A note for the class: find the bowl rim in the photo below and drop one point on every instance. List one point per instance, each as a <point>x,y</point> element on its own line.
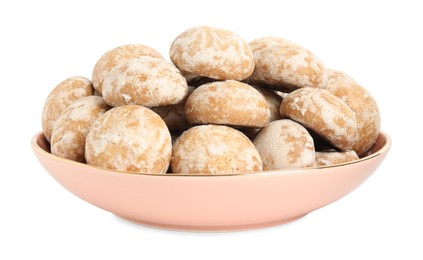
<point>286,171</point>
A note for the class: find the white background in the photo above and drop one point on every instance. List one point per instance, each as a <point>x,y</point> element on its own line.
<point>378,43</point>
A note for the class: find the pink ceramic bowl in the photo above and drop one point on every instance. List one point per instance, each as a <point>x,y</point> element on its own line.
<point>211,202</point>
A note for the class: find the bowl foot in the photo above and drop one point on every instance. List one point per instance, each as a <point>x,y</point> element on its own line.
<point>212,228</point>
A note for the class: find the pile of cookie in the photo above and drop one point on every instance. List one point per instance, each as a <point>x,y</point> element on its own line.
<point>222,106</point>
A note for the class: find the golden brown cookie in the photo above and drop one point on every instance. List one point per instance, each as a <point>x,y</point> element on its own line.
<point>212,52</point>
<point>285,144</point>
<point>334,157</point>
<point>64,94</point>
<point>144,81</point>
<point>227,103</point>
<point>174,115</point>
<point>279,62</point>
<point>214,149</point>
<point>116,56</point>
<point>324,113</point>
<point>72,126</point>
<point>362,103</point>
<point>129,138</point>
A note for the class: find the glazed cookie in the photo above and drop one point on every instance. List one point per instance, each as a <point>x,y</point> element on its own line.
<point>362,103</point>
<point>212,52</point>
<point>324,113</point>
<point>129,138</point>
<point>144,81</point>
<point>227,103</point>
<point>213,149</point>
<point>279,62</point>
<point>71,128</point>
<point>64,94</point>
<point>116,56</point>
<point>285,144</point>
<point>334,157</point>
<point>174,115</point>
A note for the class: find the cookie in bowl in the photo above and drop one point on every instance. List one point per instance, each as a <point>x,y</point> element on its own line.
<point>118,55</point>
<point>129,138</point>
<point>214,149</point>
<point>212,52</point>
<point>63,95</point>
<point>71,128</point>
<point>227,102</point>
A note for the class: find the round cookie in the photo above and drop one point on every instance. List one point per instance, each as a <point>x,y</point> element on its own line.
<point>324,113</point>
<point>174,115</point>
<point>116,56</point>
<point>214,149</point>
<point>144,81</point>
<point>227,103</point>
<point>285,144</point>
<point>279,62</point>
<point>71,128</point>
<point>64,94</point>
<point>334,157</point>
<point>129,138</point>
<point>362,103</point>
<point>212,52</point>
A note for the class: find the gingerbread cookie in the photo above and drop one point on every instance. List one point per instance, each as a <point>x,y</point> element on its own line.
<point>71,128</point>
<point>227,103</point>
<point>129,138</point>
<point>279,62</point>
<point>212,52</point>
<point>214,149</point>
<point>144,81</point>
<point>63,95</point>
<point>120,54</point>
<point>285,144</point>
<point>324,113</point>
<point>362,103</point>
